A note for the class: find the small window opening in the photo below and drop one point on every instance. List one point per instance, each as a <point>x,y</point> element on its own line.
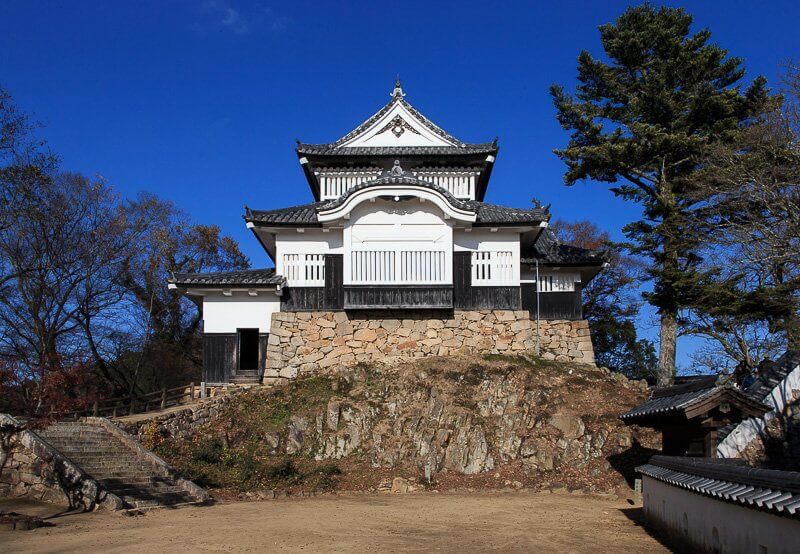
<point>248,348</point>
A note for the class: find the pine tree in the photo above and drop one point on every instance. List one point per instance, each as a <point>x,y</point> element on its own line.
<point>639,122</point>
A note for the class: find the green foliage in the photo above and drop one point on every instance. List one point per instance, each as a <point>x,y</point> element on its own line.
<point>641,122</point>
<point>618,348</point>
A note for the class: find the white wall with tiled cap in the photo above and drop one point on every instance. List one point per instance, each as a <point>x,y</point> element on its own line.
<point>240,310</point>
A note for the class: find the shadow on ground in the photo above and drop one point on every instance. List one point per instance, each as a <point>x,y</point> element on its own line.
<point>627,461</point>
<point>636,515</point>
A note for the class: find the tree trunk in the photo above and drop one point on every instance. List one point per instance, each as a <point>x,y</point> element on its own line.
<point>667,346</point>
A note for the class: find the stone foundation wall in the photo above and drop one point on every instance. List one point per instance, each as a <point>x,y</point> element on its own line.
<point>303,342</point>
<point>178,424</point>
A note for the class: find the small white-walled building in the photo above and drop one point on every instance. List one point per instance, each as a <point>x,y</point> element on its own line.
<point>398,221</point>
<point>705,505</point>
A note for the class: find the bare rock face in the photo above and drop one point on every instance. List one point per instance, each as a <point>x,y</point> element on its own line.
<point>468,451</point>
<point>462,415</point>
<point>570,425</point>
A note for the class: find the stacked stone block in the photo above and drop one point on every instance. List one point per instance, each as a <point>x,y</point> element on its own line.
<point>306,342</point>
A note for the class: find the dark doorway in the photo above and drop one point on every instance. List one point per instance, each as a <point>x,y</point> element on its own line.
<point>248,348</point>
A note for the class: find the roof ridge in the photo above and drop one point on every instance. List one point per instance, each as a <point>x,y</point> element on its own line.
<point>398,99</point>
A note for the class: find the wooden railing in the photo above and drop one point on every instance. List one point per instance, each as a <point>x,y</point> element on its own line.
<point>398,267</point>
<point>304,270</point>
<point>125,405</point>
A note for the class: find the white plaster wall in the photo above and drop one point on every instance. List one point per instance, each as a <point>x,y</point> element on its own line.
<point>407,225</point>
<point>747,431</point>
<point>311,241</point>
<point>739,529</point>
<point>487,241</point>
<point>225,314</point>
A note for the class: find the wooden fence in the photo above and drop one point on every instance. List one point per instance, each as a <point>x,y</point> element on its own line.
<point>126,405</point>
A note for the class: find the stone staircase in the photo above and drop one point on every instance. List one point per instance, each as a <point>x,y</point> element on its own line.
<point>247,377</point>
<point>121,466</point>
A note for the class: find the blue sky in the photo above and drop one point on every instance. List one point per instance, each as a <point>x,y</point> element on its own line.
<point>200,101</point>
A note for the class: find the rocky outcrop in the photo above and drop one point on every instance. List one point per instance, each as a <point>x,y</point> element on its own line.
<point>307,342</point>
<point>451,415</point>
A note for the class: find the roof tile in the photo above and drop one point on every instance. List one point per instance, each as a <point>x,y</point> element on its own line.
<point>229,278</point>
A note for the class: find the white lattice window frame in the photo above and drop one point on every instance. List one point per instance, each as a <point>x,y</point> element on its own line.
<point>398,267</point>
<point>304,270</point>
<point>493,268</point>
<point>558,282</point>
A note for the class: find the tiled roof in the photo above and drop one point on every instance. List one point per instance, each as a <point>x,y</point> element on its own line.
<point>679,400</point>
<point>675,399</point>
<point>549,250</point>
<point>331,150</point>
<point>487,214</point>
<point>246,277</point>
<point>456,147</point>
<point>761,489</point>
<point>492,214</point>
<point>293,216</point>
<point>770,376</point>
<point>772,373</point>
<point>398,97</point>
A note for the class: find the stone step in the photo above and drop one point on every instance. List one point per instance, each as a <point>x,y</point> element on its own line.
<point>80,446</point>
<point>126,489</point>
<point>138,503</point>
<point>89,451</point>
<point>116,470</point>
<point>142,481</point>
<point>117,467</point>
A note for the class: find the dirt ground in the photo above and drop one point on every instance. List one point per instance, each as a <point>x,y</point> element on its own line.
<point>445,522</point>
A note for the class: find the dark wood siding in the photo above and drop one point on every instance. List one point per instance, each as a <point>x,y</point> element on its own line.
<point>493,298</point>
<point>553,305</point>
<point>334,281</point>
<point>366,297</point>
<point>329,297</point>
<point>467,297</point>
<point>462,279</point>
<point>219,357</point>
<point>262,351</point>
<point>298,299</point>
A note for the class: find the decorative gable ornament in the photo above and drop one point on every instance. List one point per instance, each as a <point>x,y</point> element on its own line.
<point>407,126</point>
<point>398,126</point>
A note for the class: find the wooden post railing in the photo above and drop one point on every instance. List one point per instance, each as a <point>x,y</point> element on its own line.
<point>130,405</point>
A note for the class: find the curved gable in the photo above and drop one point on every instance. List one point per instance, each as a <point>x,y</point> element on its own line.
<point>396,192</point>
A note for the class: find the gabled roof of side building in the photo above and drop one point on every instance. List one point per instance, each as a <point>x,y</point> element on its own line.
<point>684,401</point>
